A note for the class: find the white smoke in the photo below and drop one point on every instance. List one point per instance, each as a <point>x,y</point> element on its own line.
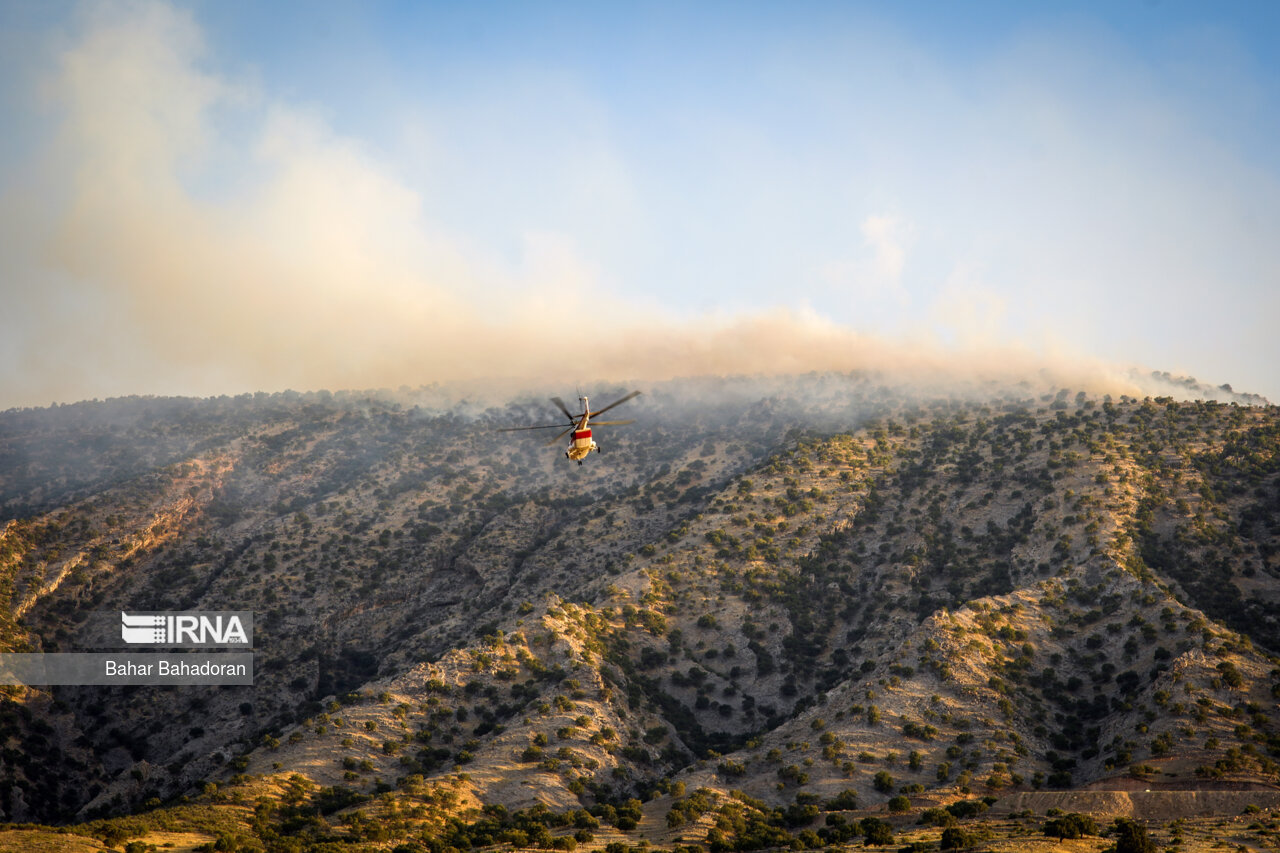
<point>183,233</point>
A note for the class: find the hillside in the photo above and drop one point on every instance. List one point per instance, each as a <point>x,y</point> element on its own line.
<point>756,606</point>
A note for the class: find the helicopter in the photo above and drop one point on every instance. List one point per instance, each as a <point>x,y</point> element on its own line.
<point>582,443</point>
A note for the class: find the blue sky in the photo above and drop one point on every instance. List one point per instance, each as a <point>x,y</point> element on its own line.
<point>226,196</point>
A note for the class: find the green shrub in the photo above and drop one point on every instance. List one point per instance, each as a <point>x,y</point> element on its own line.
<point>900,804</point>
<point>967,808</point>
<point>845,800</point>
<point>1131,837</point>
<point>1073,825</point>
<point>936,817</point>
<point>954,837</point>
<point>877,831</point>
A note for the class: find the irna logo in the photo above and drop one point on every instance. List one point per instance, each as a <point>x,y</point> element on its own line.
<point>184,629</point>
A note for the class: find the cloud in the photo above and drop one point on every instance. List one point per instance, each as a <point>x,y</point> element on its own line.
<point>886,237</point>
<point>872,278</point>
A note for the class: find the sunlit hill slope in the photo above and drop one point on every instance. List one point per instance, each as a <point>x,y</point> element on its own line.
<point>758,605</point>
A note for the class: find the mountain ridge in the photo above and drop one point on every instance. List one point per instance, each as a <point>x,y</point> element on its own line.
<point>944,598</point>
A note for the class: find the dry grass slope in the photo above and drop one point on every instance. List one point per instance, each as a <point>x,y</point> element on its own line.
<point>760,638</point>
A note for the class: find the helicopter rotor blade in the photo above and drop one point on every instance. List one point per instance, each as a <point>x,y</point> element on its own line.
<point>610,423</point>
<point>615,403</point>
<point>519,429</point>
<point>560,436</point>
<point>560,404</point>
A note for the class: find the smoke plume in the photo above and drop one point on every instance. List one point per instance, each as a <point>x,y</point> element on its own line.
<point>182,233</point>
